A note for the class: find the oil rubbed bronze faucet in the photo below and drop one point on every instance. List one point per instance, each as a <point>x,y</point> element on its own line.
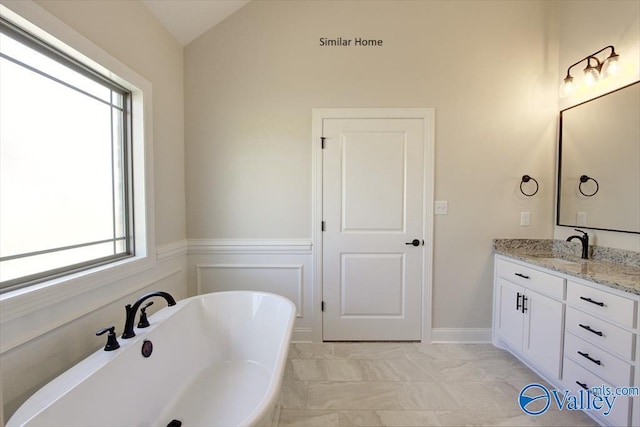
<point>584,239</point>
<point>132,310</point>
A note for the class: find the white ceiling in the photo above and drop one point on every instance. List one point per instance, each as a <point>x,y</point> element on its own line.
<point>188,19</point>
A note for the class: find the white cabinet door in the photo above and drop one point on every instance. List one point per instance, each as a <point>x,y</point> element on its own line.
<point>542,342</point>
<point>535,330</point>
<point>510,318</point>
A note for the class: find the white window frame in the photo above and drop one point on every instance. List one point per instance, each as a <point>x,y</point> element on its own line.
<point>16,303</point>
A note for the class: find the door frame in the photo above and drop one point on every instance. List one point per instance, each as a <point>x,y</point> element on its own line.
<point>318,116</point>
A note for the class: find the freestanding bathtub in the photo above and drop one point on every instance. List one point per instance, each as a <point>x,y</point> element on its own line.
<point>218,360</point>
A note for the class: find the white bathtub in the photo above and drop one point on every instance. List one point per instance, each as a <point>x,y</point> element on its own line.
<point>218,360</point>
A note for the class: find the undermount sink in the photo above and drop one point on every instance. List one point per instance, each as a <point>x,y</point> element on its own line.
<point>557,260</point>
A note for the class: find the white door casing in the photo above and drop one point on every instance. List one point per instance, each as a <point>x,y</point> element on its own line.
<point>374,190</point>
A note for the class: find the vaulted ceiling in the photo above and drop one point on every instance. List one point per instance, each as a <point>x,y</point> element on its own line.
<point>188,19</point>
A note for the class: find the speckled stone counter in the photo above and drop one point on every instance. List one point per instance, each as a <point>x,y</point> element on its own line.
<point>615,268</point>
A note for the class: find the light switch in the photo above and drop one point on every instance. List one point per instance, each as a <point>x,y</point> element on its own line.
<point>525,219</point>
<point>441,207</point>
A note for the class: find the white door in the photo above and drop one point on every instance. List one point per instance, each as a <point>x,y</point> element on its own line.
<point>373,201</point>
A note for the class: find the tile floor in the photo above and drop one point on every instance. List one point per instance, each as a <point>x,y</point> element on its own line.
<point>408,384</point>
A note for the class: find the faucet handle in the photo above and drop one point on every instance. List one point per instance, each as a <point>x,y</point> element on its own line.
<point>144,322</point>
<point>112,341</point>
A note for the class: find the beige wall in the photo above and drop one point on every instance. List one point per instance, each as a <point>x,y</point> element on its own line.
<point>54,339</point>
<point>586,28</point>
<point>488,68</point>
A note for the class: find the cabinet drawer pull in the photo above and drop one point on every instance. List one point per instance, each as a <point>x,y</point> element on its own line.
<point>521,275</point>
<point>588,328</point>
<point>583,385</point>
<point>601,304</point>
<point>586,356</point>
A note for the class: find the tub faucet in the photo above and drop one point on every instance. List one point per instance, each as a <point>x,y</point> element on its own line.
<point>584,239</point>
<point>132,310</point>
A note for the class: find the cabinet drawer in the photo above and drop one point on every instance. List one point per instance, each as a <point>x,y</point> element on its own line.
<point>613,307</point>
<point>574,374</point>
<point>601,333</point>
<point>544,283</point>
<point>598,361</point>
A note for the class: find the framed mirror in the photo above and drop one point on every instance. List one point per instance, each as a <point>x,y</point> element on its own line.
<point>599,163</point>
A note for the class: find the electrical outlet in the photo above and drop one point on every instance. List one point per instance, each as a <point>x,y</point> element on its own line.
<point>525,219</point>
<point>581,219</point>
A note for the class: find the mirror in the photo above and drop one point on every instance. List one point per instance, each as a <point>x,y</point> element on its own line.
<point>599,163</point>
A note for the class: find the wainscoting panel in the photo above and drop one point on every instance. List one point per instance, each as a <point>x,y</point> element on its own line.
<point>285,280</point>
<point>282,267</point>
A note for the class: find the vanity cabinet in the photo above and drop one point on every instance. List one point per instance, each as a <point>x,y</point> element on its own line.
<point>599,347</point>
<point>574,333</point>
<point>528,321</point>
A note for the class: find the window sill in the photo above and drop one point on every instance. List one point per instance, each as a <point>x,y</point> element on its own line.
<point>67,298</point>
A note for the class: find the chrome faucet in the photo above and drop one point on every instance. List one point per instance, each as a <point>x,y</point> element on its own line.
<point>584,239</point>
<point>132,310</point>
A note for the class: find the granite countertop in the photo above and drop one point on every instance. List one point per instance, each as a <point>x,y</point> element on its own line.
<point>615,268</point>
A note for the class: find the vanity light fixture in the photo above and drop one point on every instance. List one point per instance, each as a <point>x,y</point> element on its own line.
<point>595,69</point>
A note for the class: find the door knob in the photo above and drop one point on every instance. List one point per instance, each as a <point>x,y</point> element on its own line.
<point>414,242</point>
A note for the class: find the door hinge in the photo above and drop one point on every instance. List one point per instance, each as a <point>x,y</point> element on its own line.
<point>322,306</point>
<point>324,226</point>
<point>322,138</point>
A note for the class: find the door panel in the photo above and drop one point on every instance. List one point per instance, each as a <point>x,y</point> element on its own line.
<point>373,187</point>
<point>378,276</point>
<point>543,338</point>
<point>373,197</point>
<point>511,318</point>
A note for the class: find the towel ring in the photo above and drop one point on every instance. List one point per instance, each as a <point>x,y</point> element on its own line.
<point>527,178</point>
<point>583,179</point>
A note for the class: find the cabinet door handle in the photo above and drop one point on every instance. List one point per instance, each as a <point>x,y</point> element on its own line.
<point>518,306</point>
<point>588,328</point>
<point>524,304</point>
<point>521,275</point>
<point>583,385</point>
<point>601,304</point>
<point>586,356</point>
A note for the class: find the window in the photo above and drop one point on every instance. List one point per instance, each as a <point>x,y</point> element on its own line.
<point>66,198</point>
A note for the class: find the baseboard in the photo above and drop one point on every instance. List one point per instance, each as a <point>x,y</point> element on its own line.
<point>461,335</point>
<point>301,335</point>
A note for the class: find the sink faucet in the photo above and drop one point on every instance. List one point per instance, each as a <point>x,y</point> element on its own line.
<point>584,239</point>
<point>132,310</point>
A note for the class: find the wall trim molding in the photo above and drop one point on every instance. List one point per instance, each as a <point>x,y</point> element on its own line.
<point>302,335</point>
<point>272,246</point>
<point>460,335</point>
<point>298,268</point>
<point>172,250</point>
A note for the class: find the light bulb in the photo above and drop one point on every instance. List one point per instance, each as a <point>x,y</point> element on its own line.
<point>612,65</point>
<point>567,87</point>
<point>591,75</point>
